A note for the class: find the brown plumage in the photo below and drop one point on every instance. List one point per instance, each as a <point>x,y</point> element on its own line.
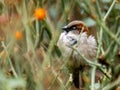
<point>75,34</point>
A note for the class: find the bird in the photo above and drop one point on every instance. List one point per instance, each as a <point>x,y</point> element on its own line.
<point>76,34</point>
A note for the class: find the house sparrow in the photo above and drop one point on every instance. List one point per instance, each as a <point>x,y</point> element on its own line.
<point>75,34</point>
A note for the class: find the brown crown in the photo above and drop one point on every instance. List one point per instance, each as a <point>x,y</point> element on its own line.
<point>76,25</point>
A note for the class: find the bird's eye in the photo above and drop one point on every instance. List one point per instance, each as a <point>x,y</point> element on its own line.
<point>74,28</point>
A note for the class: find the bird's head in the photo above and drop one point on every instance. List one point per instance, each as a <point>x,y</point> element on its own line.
<point>77,26</point>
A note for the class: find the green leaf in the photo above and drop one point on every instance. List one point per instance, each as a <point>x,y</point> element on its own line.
<point>89,22</point>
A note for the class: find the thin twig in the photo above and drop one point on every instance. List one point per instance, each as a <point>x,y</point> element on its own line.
<point>110,85</point>
<point>56,74</point>
<point>93,77</point>
<point>11,65</point>
<point>99,48</point>
<point>86,60</point>
<point>100,41</point>
<point>37,33</point>
<point>99,66</point>
<point>108,12</point>
<point>108,31</point>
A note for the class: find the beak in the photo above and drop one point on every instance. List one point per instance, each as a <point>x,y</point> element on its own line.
<point>65,28</point>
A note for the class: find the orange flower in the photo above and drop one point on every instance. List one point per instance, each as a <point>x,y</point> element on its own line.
<point>40,13</point>
<point>18,35</point>
<point>93,1</point>
<point>118,88</point>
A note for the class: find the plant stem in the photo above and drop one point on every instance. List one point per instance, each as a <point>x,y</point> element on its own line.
<point>108,31</point>
<point>112,84</point>
<point>12,67</point>
<point>37,34</point>
<point>108,12</point>
<point>98,9</point>
<point>104,19</point>
<point>95,64</point>
<point>93,77</point>
<point>56,74</point>
<point>25,21</point>
<point>99,47</point>
<point>84,58</point>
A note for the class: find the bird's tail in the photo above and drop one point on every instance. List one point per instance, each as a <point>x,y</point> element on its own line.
<point>77,78</point>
